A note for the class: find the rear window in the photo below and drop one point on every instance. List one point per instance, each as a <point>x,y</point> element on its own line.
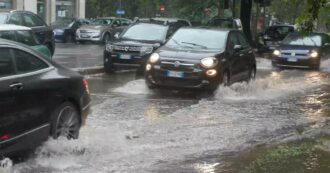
<point>3,18</point>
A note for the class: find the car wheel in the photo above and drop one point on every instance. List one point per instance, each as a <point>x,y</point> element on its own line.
<point>252,73</point>
<point>65,122</point>
<point>80,42</point>
<point>106,38</point>
<point>226,79</point>
<point>108,66</point>
<point>150,85</point>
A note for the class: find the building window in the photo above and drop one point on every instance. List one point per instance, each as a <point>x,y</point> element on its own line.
<point>41,8</point>
<point>65,9</point>
<point>6,4</point>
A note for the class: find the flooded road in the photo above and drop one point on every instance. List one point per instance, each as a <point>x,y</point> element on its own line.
<point>133,129</point>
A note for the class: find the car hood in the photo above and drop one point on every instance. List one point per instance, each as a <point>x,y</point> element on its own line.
<point>141,43</point>
<point>192,54</point>
<point>94,27</point>
<point>298,48</point>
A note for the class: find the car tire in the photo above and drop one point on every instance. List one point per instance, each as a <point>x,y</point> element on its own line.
<point>225,79</point>
<point>106,38</point>
<point>109,67</point>
<point>65,121</point>
<point>150,85</point>
<point>80,42</point>
<point>252,74</point>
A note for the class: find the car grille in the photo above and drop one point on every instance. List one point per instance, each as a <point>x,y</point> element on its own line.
<point>295,53</point>
<point>176,65</point>
<point>127,49</point>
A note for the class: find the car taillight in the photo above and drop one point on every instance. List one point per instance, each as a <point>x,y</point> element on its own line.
<point>4,137</point>
<point>85,83</point>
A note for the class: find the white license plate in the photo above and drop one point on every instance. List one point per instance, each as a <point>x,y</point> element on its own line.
<point>176,74</point>
<point>123,56</point>
<point>292,59</point>
<point>84,36</point>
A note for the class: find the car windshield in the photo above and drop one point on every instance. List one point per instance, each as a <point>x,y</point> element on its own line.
<point>223,23</point>
<point>198,39</point>
<point>102,22</point>
<point>312,40</point>
<point>26,37</point>
<point>149,32</point>
<point>279,30</point>
<point>3,18</point>
<point>63,22</point>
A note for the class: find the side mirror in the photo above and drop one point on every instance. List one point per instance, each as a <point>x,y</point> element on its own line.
<point>116,35</point>
<point>237,48</point>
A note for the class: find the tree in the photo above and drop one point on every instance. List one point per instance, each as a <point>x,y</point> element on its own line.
<point>246,8</point>
<point>307,21</point>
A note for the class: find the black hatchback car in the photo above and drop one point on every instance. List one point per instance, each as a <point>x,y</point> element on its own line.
<point>201,58</point>
<point>302,51</point>
<point>43,32</point>
<point>137,42</point>
<point>38,99</point>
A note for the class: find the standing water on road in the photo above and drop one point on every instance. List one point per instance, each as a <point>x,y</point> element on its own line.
<point>131,131</point>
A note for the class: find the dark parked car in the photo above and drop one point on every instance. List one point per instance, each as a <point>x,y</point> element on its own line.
<point>65,29</point>
<point>201,58</point>
<point>38,99</point>
<point>302,51</point>
<point>136,43</point>
<point>43,32</point>
<point>102,29</point>
<point>273,35</point>
<point>225,23</point>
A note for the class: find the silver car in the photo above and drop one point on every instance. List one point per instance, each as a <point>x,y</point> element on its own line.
<point>102,29</point>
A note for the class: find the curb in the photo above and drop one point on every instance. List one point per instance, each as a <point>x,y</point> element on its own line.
<point>89,70</point>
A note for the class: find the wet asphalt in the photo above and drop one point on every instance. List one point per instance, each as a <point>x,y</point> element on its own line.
<point>134,129</point>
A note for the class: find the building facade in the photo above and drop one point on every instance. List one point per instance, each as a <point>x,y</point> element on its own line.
<point>49,10</point>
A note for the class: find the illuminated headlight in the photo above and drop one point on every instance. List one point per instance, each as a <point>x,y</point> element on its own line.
<point>154,58</point>
<point>209,62</point>
<point>277,52</point>
<point>314,54</point>
<point>109,47</point>
<point>148,67</point>
<point>146,50</point>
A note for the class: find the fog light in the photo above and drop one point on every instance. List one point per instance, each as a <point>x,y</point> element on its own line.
<point>211,72</point>
<point>148,67</point>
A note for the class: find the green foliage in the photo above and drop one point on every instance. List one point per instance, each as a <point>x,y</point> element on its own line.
<point>287,10</point>
<point>307,21</point>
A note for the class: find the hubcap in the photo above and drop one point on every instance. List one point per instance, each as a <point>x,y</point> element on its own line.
<point>67,123</point>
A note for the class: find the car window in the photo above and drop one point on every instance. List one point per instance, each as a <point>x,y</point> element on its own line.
<point>116,23</point>
<point>26,62</point>
<point>26,37</point>
<point>32,21</point>
<point>15,19</point>
<point>242,40</point>
<point>9,35</point>
<point>232,41</point>
<point>125,22</point>
<point>6,63</point>
<point>3,18</point>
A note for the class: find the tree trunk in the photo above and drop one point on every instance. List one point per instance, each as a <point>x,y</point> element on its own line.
<point>246,7</point>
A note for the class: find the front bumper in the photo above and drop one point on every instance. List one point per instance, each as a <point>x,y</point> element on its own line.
<point>126,59</point>
<point>89,37</point>
<point>296,62</point>
<point>195,79</point>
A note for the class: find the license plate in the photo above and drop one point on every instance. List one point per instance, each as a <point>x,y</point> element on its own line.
<point>176,74</point>
<point>84,36</point>
<point>123,56</point>
<point>292,59</point>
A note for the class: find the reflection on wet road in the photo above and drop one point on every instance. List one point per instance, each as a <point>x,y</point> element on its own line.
<point>133,129</point>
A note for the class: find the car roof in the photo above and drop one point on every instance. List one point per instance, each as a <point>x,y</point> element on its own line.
<point>6,27</point>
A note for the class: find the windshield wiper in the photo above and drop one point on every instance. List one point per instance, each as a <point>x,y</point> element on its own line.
<point>176,42</point>
<point>194,44</point>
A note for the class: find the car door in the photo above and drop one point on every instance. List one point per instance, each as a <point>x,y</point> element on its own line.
<point>32,93</point>
<point>246,55</point>
<point>8,111</point>
<point>234,58</point>
<point>41,30</point>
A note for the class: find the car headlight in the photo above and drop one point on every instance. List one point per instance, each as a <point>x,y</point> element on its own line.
<point>209,62</point>
<point>277,52</point>
<point>146,50</point>
<point>59,31</point>
<point>314,54</point>
<point>109,47</point>
<point>154,58</point>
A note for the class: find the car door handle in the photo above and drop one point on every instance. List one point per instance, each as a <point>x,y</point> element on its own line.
<point>16,86</point>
